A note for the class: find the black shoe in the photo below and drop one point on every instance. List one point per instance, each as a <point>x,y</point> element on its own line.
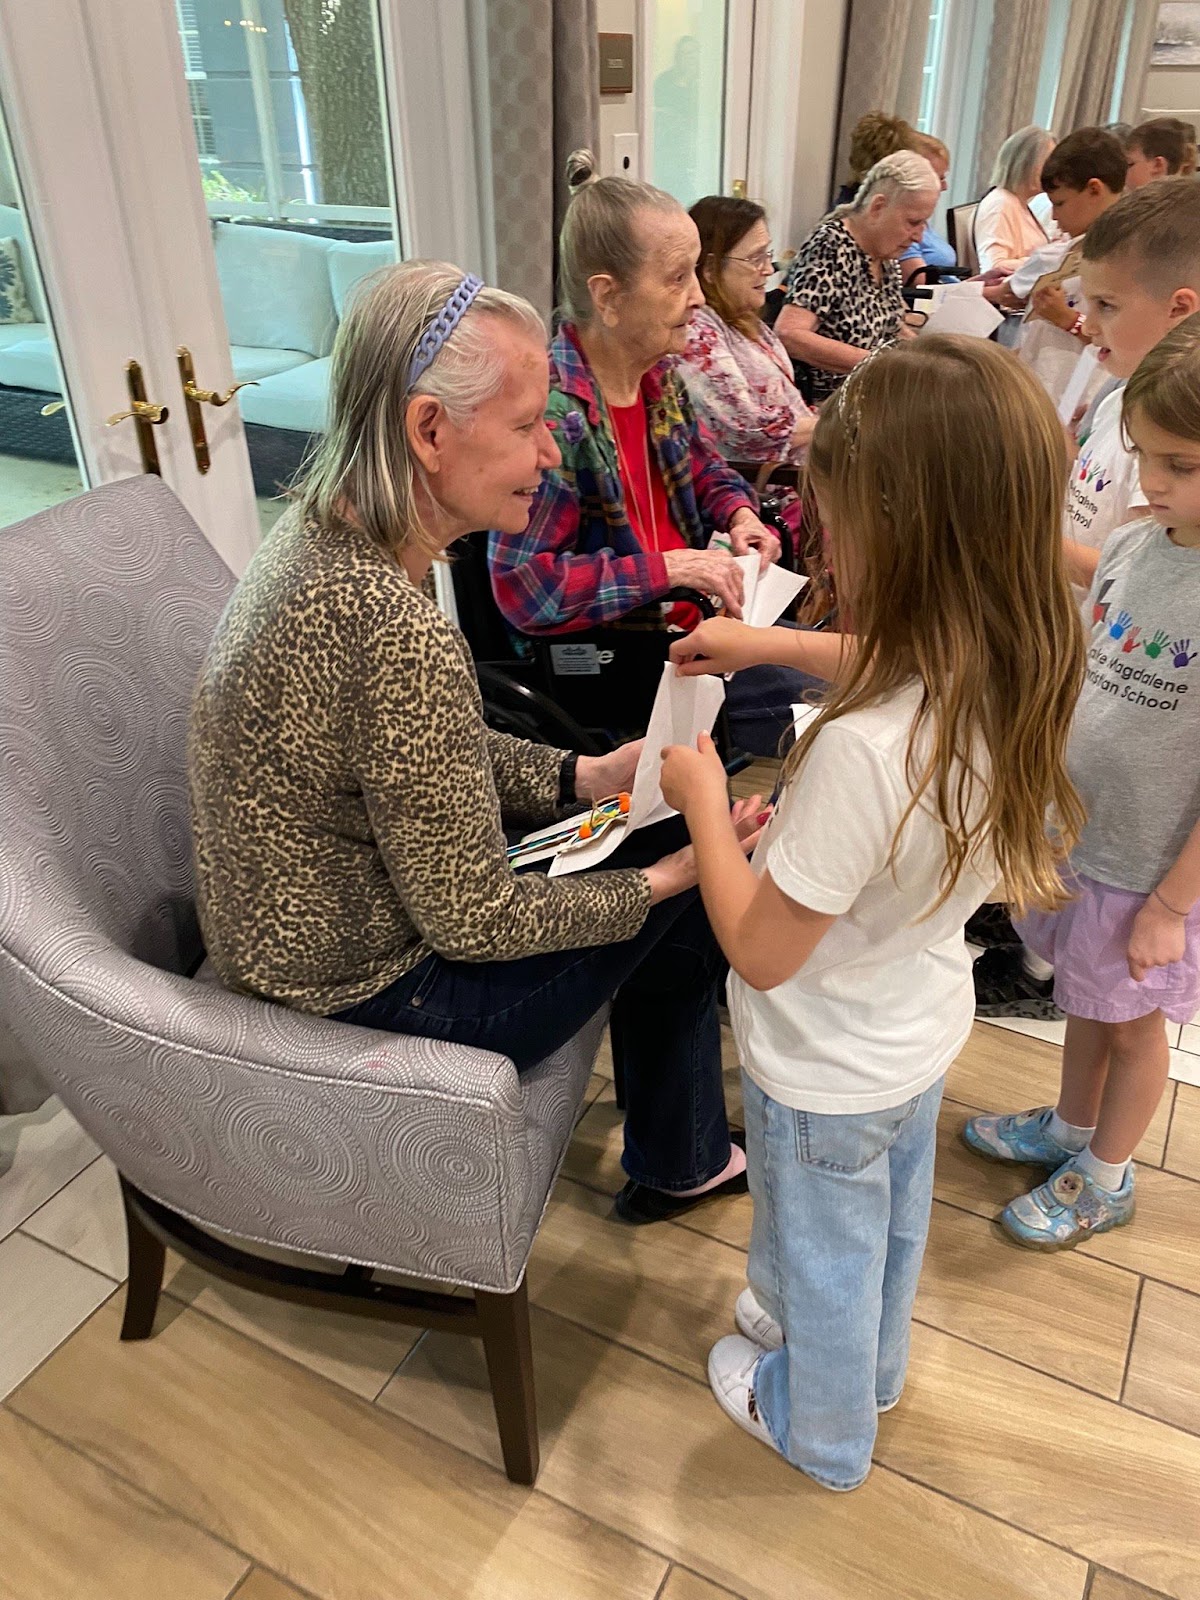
<point>1003,988</point>
<point>638,1202</point>
<point>991,927</point>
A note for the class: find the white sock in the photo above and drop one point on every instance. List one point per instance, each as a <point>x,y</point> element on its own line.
<point>1104,1174</point>
<point>1068,1134</point>
<point>1037,969</point>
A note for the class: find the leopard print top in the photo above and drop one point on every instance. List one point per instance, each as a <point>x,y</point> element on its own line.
<point>347,797</point>
<point>831,277</point>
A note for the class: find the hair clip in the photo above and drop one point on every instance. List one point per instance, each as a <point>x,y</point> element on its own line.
<point>442,326</point>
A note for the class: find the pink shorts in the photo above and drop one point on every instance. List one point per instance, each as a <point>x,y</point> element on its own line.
<point>1087,943</point>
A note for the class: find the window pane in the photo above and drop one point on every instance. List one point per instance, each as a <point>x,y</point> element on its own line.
<point>689,97</point>
<point>294,160</point>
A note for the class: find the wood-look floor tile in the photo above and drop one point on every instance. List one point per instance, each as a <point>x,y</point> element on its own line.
<point>975,1284</point>
<point>262,1585</point>
<point>666,1291</point>
<point>594,1159</point>
<point>1183,1149</point>
<point>1107,1586</point>
<point>649,1452</point>
<point>332,1494</point>
<point>73,1531</point>
<point>1164,1375</point>
<point>685,1585</point>
<point>43,1298</point>
<point>1160,1242</point>
<point>40,1151</point>
<point>1003,1071</point>
<point>86,1221</point>
<point>1119,1489</point>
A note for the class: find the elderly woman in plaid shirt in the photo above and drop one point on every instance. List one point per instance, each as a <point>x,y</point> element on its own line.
<point>630,513</point>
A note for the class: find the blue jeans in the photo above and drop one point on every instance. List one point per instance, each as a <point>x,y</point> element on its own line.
<point>663,984</point>
<point>841,1214</point>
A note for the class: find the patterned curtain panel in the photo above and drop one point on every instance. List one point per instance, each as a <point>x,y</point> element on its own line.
<point>1141,42</point>
<point>882,36</point>
<point>1089,69</point>
<point>544,101</point>
<point>1014,62</point>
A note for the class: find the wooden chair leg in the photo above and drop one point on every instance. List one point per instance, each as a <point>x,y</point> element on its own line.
<point>504,1325</point>
<point>147,1258</point>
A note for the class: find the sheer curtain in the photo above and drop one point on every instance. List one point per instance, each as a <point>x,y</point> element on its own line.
<point>537,65</point>
<point>884,39</point>
<point>1014,62</point>
<point>1091,55</point>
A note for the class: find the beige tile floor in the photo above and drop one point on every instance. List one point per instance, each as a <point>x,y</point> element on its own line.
<point>1047,1447</point>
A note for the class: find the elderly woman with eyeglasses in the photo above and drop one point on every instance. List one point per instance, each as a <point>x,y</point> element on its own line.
<point>348,801</point>
<point>738,374</point>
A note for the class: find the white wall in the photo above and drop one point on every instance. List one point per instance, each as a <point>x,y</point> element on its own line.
<point>1172,91</point>
<point>619,112</point>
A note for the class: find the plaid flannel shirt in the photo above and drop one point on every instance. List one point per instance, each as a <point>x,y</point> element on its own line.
<point>579,563</point>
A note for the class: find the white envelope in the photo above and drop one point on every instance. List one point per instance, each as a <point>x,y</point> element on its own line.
<point>1077,383</point>
<point>684,708</point>
<point>962,309</point>
<point>766,595</point>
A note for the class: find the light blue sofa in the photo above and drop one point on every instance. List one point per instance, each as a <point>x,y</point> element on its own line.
<point>284,293</point>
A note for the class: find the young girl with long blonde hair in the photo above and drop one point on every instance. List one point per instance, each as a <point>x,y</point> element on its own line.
<point>925,777</point>
<point>1126,949</point>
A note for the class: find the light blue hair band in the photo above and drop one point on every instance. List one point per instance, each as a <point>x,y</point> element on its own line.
<point>442,326</point>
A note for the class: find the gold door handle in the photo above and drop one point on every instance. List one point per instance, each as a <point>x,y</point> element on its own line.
<point>210,397</point>
<point>194,397</point>
<point>142,411</point>
<point>146,415</point>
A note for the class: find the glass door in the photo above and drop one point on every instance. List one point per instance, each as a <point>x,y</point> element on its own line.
<point>699,56</point>
<point>196,188</point>
<point>39,462</point>
<point>290,124</point>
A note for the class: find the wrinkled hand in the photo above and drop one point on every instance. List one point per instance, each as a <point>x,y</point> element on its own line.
<point>597,777</point>
<point>719,645</point>
<point>1050,303</point>
<point>712,572</point>
<point>1157,940</point>
<point>747,533</point>
<point>690,776</point>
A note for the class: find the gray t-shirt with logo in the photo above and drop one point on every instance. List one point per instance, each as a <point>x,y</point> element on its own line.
<point>1134,752</point>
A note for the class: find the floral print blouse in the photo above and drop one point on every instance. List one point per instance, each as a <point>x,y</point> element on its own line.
<point>742,389</point>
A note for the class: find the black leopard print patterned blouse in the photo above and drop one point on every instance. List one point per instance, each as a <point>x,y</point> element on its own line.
<point>347,798</point>
<point>831,277</point>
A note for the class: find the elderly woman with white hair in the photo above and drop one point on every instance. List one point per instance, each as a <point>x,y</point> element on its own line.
<point>843,299</point>
<point>1006,231</point>
<point>348,801</point>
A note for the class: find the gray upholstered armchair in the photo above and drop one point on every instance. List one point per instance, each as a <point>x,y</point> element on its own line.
<point>232,1122</point>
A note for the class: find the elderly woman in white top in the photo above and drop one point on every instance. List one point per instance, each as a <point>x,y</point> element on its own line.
<point>1006,230</point>
<point>843,289</point>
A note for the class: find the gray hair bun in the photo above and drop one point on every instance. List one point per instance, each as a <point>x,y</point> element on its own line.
<point>581,170</point>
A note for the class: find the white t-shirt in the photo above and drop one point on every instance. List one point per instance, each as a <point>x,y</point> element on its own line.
<point>1104,481</point>
<point>885,1002</point>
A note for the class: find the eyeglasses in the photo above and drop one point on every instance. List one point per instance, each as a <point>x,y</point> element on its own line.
<point>763,260</point>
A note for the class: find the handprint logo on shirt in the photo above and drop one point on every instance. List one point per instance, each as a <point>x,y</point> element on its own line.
<point>1182,657</point>
<point>1154,647</point>
<point>1130,640</point>
<point>1121,626</point>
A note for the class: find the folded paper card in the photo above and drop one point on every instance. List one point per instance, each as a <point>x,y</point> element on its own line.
<point>684,708</point>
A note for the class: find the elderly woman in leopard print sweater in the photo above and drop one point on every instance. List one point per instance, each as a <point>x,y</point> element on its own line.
<point>349,802</point>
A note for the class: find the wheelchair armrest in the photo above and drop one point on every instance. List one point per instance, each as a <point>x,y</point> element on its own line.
<point>703,602</point>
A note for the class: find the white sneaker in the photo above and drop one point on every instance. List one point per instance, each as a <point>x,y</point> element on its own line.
<point>756,1323</point>
<point>731,1364</point>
